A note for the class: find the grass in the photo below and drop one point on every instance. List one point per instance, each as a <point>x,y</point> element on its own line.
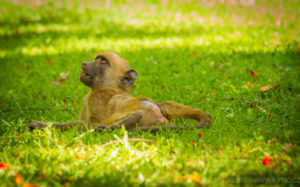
<point>198,53</point>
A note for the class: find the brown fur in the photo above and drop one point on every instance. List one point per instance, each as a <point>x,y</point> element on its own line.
<point>109,103</point>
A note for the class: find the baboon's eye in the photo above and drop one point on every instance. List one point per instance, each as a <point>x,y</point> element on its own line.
<point>102,60</point>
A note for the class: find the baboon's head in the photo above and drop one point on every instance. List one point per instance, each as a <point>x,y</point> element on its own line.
<point>108,69</point>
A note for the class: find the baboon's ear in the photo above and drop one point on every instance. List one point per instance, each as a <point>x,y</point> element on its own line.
<point>129,78</point>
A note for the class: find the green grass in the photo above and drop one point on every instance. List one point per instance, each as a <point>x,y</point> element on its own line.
<point>195,53</point>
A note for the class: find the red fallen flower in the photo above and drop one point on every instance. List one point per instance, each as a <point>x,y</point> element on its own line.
<point>253,74</point>
<point>49,61</point>
<point>4,166</point>
<point>18,154</point>
<point>18,32</point>
<point>221,151</point>
<point>266,161</point>
<point>199,134</point>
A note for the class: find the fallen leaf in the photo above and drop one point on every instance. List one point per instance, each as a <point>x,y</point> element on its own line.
<point>18,32</point>
<point>245,87</point>
<point>253,74</point>
<point>18,154</point>
<point>42,173</point>
<point>248,85</point>
<point>261,109</point>
<point>80,156</point>
<point>18,179</point>
<point>287,162</point>
<point>55,82</point>
<point>278,23</point>
<point>254,149</point>
<point>209,116</point>
<point>226,77</point>
<point>193,143</point>
<point>48,61</point>
<point>213,91</point>
<point>4,166</point>
<point>194,53</point>
<point>282,155</point>
<point>199,134</point>
<point>266,88</point>
<point>63,77</point>
<point>221,151</point>
<point>287,146</point>
<point>237,148</point>
<point>272,140</point>
<point>194,177</point>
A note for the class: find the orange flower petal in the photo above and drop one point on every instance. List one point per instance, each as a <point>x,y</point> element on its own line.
<point>18,179</point>
<point>194,177</point>
<point>4,166</point>
<point>28,184</point>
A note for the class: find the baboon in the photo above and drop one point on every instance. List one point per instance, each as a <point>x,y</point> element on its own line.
<point>109,104</point>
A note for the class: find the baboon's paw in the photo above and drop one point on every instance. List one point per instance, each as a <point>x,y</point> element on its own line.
<point>37,124</point>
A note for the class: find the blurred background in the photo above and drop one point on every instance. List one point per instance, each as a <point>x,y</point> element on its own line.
<point>203,45</point>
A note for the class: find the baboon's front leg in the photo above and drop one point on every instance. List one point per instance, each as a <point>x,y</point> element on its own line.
<point>61,126</point>
<point>173,110</point>
<point>129,120</point>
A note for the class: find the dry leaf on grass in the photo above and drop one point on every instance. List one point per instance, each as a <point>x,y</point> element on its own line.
<point>266,88</point>
<point>63,77</point>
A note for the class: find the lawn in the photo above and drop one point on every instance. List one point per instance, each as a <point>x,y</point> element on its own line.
<point>237,60</point>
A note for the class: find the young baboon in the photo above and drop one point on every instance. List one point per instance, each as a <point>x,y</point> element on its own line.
<point>110,105</point>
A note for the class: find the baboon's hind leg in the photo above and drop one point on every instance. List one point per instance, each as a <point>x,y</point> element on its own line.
<point>173,110</point>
